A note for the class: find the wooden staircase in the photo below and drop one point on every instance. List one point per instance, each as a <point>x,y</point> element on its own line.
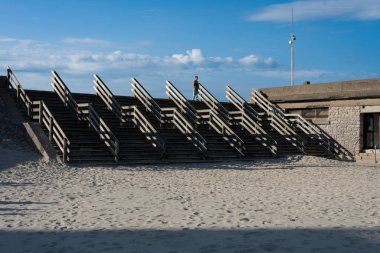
<point>284,146</point>
<point>133,146</point>
<point>103,128</point>
<point>85,145</point>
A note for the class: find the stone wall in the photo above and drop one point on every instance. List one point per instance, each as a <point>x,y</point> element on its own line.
<point>345,127</point>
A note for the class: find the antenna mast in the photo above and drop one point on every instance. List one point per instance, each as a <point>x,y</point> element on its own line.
<point>291,43</point>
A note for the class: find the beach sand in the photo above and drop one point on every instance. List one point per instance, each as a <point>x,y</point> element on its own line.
<point>293,204</point>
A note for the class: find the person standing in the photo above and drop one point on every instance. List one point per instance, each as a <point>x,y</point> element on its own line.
<point>195,88</point>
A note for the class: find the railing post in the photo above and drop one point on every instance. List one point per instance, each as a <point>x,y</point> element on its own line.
<point>65,97</point>
<point>30,109</point>
<point>209,119</point>
<point>18,94</point>
<point>116,151</point>
<point>64,156</point>
<point>40,116</point>
<point>9,78</point>
<point>51,128</point>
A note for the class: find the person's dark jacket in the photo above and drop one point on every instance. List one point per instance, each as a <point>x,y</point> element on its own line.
<point>196,84</point>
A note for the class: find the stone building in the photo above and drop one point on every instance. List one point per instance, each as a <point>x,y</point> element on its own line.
<point>348,111</point>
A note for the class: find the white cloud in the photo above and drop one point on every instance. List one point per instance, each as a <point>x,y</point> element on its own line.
<point>221,59</point>
<point>29,55</point>
<point>33,60</point>
<point>257,62</point>
<point>193,56</point>
<point>320,9</point>
<point>86,41</point>
<point>248,60</point>
<point>5,40</point>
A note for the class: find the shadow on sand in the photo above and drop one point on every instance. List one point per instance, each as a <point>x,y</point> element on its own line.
<point>23,207</point>
<point>11,158</point>
<point>206,241</point>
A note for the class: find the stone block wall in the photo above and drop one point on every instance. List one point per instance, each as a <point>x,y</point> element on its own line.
<point>345,126</point>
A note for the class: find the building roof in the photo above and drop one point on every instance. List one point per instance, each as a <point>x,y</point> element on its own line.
<point>357,89</point>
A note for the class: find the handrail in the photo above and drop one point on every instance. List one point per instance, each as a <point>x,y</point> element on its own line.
<point>146,99</point>
<point>215,120</point>
<point>14,84</point>
<point>146,127</point>
<point>178,120</point>
<point>279,121</point>
<point>55,132</point>
<point>63,92</point>
<point>310,129</point>
<point>86,110</point>
<point>45,117</point>
<point>240,103</point>
<point>121,112</point>
<point>11,84</point>
<point>108,98</point>
<point>183,124</point>
<point>265,104</point>
<point>249,120</point>
<point>304,125</point>
<point>218,119</point>
<point>221,126</point>
<point>182,103</point>
<point>212,102</point>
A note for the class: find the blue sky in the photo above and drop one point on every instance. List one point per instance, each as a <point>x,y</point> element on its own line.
<point>243,43</point>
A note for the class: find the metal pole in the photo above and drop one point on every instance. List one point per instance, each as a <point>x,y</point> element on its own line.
<point>291,42</point>
<point>292,64</point>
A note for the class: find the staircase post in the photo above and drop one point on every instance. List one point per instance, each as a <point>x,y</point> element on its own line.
<point>64,157</point>
<point>18,95</point>
<point>51,129</point>
<point>40,116</point>
<point>9,78</point>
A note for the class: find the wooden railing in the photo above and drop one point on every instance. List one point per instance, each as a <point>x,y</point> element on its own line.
<point>221,127</point>
<point>150,132</point>
<point>44,116</point>
<point>146,99</point>
<point>55,132</point>
<point>171,114</point>
<point>212,102</point>
<point>312,131</point>
<point>187,128</point>
<point>240,103</point>
<point>218,118</point>
<point>327,143</point>
<point>279,121</point>
<point>249,120</point>
<point>129,113</point>
<point>22,97</point>
<point>87,111</point>
<point>184,106</point>
<point>63,92</point>
<point>108,98</point>
<point>190,132</point>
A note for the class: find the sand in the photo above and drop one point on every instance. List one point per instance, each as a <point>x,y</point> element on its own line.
<point>294,204</point>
